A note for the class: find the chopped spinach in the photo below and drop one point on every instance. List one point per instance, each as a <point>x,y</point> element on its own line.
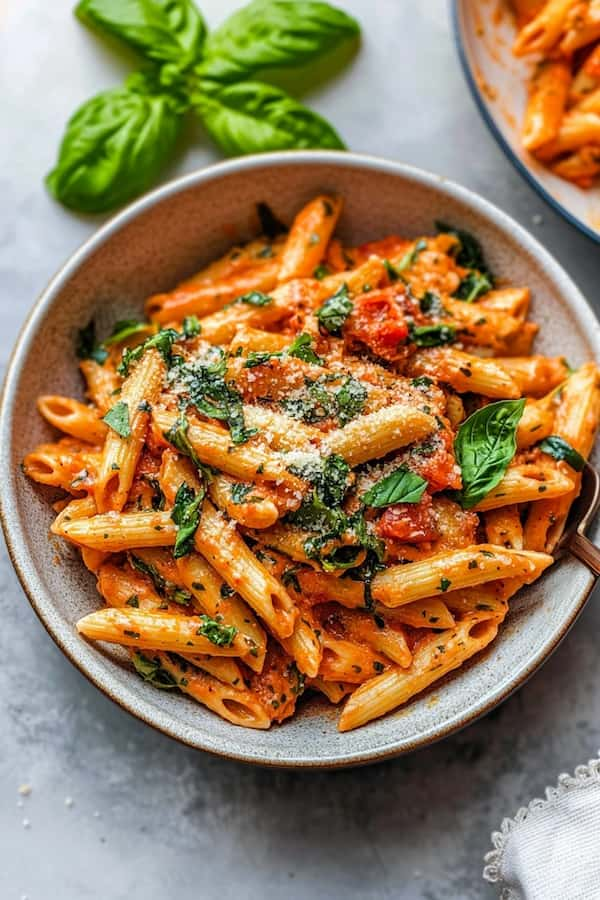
<point>218,634</point>
<point>186,515</point>
<point>334,312</point>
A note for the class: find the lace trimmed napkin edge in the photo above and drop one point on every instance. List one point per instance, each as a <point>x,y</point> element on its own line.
<point>583,775</point>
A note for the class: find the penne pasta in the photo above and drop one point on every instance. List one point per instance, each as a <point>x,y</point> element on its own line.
<point>72,417</point>
<point>434,658</point>
<point>154,630</point>
<point>122,448</point>
<point>309,235</point>
<point>457,569</point>
<point>333,466</point>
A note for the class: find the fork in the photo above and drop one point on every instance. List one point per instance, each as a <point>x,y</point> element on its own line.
<point>582,512</point>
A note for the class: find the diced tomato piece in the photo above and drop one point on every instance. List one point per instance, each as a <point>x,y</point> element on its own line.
<point>378,321</point>
<point>409,522</point>
<point>435,462</point>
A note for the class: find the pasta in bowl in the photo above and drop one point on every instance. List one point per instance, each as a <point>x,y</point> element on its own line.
<point>533,70</point>
<point>317,466</point>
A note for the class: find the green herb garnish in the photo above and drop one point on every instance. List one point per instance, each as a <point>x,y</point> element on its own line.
<point>186,515</point>
<point>400,486</point>
<point>215,397</point>
<point>334,312</point>
<point>151,670</point>
<point>432,335</point>
<point>218,634</point>
<point>560,449</point>
<point>162,341</point>
<point>117,418</point>
<point>87,347</point>
<point>123,329</point>
<point>484,446</point>
<point>473,285</point>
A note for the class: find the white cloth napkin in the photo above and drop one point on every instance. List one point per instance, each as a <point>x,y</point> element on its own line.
<point>551,849</point>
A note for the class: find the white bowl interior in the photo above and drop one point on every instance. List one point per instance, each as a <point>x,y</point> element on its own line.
<point>148,248</point>
<point>487,32</point>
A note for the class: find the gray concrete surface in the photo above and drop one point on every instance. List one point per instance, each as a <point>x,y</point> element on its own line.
<point>117,811</point>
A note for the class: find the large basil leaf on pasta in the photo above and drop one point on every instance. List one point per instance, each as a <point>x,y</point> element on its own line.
<point>164,30</point>
<point>274,33</point>
<point>252,117</point>
<point>113,148</point>
<point>484,446</point>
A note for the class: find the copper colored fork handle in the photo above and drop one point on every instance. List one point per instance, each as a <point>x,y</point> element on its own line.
<point>584,550</point>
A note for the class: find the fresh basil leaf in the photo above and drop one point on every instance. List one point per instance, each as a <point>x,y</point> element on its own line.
<point>186,515</point>
<point>432,335</point>
<point>274,34</point>
<point>117,418</point>
<point>473,285</point>
<point>270,225</point>
<point>124,329</point>
<point>113,148</point>
<point>252,117</point>
<point>87,346</point>
<point>164,30</point>
<point>334,312</point>
<point>469,253</point>
<point>162,341</point>
<point>218,634</point>
<point>556,446</point>
<point>400,486</point>
<point>301,348</point>
<point>254,298</point>
<point>177,436</point>
<point>484,446</point>
<point>151,670</point>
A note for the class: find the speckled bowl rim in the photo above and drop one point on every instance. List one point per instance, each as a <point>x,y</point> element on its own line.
<point>41,600</point>
<point>490,121</point>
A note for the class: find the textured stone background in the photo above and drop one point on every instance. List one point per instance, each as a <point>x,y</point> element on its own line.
<point>143,816</point>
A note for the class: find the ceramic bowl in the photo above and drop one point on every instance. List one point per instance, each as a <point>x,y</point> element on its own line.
<point>484,34</point>
<point>148,247</point>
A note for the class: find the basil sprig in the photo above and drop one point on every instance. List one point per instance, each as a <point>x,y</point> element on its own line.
<point>556,446</point>
<point>484,446</point>
<point>116,144</point>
